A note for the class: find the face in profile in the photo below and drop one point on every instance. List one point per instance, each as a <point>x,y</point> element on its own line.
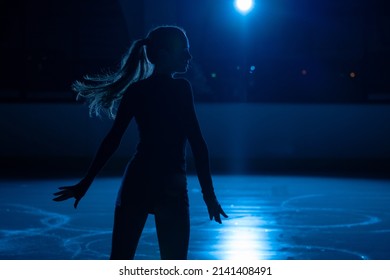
<point>178,54</point>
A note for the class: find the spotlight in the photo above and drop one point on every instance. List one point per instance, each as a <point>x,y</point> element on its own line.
<point>244,6</point>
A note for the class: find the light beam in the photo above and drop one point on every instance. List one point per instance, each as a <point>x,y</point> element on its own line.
<point>244,6</point>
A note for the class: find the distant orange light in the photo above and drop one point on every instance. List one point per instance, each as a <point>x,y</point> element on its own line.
<point>352,75</point>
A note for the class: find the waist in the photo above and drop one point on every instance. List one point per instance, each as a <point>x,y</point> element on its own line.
<point>160,161</point>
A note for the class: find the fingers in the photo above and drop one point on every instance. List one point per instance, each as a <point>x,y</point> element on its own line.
<point>76,203</point>
<point>64,191</point>
<point>60,193</point>
<point>68,192</point>
<point>216,214</point>
<point>223,212</point>
<point>62,197</point>
<point>218,219</point>
<point>64,194</point>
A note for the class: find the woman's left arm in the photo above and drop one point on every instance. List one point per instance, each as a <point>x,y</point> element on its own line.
<point>201,155</point>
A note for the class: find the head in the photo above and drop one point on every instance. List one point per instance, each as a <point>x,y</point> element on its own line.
<point>167,48</point>
<point>167,52</point>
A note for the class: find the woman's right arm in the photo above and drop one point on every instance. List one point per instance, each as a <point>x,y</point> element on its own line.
<point>113,138</point>
<point>107,148</point>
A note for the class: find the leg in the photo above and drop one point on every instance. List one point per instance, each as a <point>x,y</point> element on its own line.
<point>173,228</point>
<point>130,214</point>
<point>128,225</point>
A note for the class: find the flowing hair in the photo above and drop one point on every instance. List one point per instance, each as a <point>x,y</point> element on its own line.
<point>103,92</point>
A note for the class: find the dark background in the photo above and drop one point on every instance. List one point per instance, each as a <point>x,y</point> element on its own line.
<point>332,51</point>
<point>297,85</point>
<point>315,103</point>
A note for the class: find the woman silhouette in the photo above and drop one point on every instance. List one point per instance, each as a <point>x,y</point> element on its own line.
<point>155,179</point>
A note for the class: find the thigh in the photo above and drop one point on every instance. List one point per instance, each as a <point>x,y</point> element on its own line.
<point>173,227</point>
<point>128,225</point>
<point>133,189</point>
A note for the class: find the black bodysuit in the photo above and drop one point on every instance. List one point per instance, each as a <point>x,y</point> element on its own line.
<point>164,113</point>
<point>155,178</point>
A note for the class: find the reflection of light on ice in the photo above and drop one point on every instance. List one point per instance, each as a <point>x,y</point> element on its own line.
<point>49,220</point>
<point>242,245</point>
<point>245,240</point>
<point>30,223</point>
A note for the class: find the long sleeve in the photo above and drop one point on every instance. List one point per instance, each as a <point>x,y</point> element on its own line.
<point>112,140</point>
<point>198,145</point>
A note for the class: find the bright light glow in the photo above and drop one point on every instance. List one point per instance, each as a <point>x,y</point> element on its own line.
<point>244,239</point>
<point>244,6</point>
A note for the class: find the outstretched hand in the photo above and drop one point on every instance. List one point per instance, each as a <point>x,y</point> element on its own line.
<point>215,210</point>
<point>77,191</point>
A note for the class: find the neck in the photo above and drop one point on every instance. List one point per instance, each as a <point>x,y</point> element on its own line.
<point>160,71</point>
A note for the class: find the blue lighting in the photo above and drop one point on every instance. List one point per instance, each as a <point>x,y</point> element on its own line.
<point>244,6</point>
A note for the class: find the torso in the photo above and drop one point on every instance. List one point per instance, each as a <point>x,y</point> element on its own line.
<point>159,114</point>
<point>158,166</point>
